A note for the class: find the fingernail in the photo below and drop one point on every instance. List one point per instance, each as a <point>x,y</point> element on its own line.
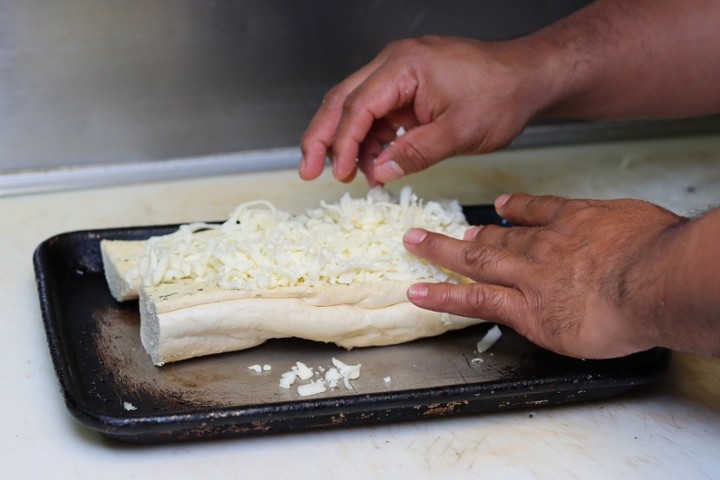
<point>471,232</point>
<point>388,171</point>
<point>501,200</point>
<point>417,291</point>
<point>372,183</point>
<point>414,236</point>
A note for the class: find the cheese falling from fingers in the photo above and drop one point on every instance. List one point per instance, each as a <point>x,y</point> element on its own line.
<point>259,247</point>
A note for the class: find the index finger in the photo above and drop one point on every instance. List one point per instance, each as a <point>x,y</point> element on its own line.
<point>481,262</point>
<point>385,91</point>
<point>317,141</point>
<point>529,210</point>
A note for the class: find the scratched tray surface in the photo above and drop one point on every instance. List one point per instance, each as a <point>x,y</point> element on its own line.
<point>110,385</point>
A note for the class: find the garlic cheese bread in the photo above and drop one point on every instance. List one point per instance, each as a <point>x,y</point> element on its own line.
<point>338,273</point>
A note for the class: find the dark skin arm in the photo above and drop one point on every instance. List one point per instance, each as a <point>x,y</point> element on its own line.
<point>585,278</point>
<point>591,279</point>
<point>613,59</point>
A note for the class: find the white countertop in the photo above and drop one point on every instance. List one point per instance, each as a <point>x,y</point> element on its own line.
<point>670,429</point>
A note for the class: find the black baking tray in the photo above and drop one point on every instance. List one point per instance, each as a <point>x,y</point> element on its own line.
<point>110,385</point>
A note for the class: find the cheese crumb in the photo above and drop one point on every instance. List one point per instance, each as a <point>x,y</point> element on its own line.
<point>492,336</point>
<point>255,368</point>
<point>348,372</point>
<point>129,406</point>
<point>312,388</point>
<point>287,379</point>
<point>303,371</point>
<point>331,378</point>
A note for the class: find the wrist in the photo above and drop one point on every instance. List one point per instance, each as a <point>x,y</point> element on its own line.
<point>564,69</point>
<point>542,79</point>
<point>673,288</point>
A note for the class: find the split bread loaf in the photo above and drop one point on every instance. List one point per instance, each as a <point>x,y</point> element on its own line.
<point>336,274</point>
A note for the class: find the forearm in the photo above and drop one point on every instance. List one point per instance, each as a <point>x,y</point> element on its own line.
<point>621,59</point>
<point>675,288</point>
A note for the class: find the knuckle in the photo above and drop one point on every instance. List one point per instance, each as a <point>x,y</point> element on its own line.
<point>533,300</point>
<point>506,236</point>
<point>408,44</point>
<point>333,96</point>
<point>540,202</point>
<point>350,105</point>
<point>488,303</point>
<point>478,256</point>
<point>482,298</point>
<point>447,297</point>
<point>488,232</point>
<point>541,245</point>
<point>551,319</point>
<point>579,206</point>
<point>415,159</point>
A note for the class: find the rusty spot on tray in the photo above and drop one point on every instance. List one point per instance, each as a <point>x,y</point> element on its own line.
<point>444,408</point>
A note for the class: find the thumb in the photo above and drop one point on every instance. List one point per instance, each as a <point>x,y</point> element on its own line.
<point>417,150</point>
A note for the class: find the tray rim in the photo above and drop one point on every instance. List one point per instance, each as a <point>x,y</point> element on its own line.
<point>240,420</point>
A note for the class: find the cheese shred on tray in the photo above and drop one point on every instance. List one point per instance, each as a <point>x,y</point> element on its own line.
<point>337,273</point>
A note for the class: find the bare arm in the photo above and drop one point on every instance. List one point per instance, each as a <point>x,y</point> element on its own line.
<point>592,279</point>
<point>586,278</point>
<point>630,59</point>
<point>613,59</point>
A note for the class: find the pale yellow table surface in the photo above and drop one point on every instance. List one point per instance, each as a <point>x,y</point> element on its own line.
<point>670,429</point>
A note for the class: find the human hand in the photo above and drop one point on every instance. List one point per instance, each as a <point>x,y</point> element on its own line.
<point>452,96</point>
<point>579,277</point>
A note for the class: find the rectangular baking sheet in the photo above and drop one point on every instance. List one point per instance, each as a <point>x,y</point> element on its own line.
<point>110,385</point>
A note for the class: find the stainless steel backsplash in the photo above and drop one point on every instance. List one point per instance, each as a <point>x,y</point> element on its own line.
<point>116,81</point>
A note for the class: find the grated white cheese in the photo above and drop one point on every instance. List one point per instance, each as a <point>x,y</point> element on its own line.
<point>303,371</point>
<point>129,406</point>
<point>348,372</point>
<point>260,247</point>
<point>312,388</point>
<point>331,379</point>
<point>489,339</point>
<point>287,379</point>
<point>260,368</point>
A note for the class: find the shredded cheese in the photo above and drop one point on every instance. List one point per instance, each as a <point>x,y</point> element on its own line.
<point>331,378</point>
<point>260,247</point>
<point>312,388</point>
<point>260,368</point>
<point>489,339</point>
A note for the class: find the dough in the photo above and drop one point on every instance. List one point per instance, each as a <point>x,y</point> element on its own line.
<point>184,319</point>
<point>182,316</point>
<point>175,327</point>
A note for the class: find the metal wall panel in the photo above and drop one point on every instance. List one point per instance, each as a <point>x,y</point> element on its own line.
<point>110,81</point>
